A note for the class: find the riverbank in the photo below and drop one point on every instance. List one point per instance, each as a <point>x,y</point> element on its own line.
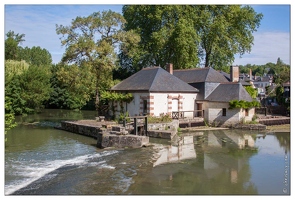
<point>279,128</point>
<point>275,128</point>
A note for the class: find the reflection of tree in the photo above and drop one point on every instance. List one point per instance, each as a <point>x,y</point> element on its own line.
<point>284,140</point>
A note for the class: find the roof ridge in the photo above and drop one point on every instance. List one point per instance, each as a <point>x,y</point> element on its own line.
<point>190,69</point>
<point>207,73</point>
<point>157,73</point>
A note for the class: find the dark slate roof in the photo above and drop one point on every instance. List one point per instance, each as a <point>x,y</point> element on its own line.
<point>226,92</point>
<point>226,75</point>
<point>154,79</point>
<point>197,75</point>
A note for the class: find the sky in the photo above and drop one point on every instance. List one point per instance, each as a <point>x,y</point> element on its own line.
<point>37,22</point>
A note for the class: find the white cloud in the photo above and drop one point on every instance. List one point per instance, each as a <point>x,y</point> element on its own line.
<point>268,47</point>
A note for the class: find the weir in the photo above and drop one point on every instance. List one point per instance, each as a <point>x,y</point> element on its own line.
<point>107,134</point>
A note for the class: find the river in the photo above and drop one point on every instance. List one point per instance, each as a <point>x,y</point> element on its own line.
<point>41,160</point>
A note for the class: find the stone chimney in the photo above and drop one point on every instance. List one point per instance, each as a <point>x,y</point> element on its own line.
<point>250,74</point>
<point>234,73</point>
<point>169,68</point>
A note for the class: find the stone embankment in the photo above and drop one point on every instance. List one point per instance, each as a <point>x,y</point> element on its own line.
<point>107,134</point>
<point>274,120</point>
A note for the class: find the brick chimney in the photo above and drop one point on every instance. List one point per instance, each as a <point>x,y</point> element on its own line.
<point>169,68</point>
<point>234,73</point>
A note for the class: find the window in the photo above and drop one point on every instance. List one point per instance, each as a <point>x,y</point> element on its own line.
<point>223,111</point>
<point>246,112</point>
<point>144,107</point>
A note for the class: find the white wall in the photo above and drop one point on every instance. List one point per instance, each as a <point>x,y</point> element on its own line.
<point>161,102</point>
<point>158,103</point>
<point>213,113</point>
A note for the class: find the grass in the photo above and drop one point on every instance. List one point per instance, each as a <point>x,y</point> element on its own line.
<point>280,128</point>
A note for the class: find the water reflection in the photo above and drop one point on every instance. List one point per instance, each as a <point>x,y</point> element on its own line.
<point>183,149</point>
<point>213,162</point>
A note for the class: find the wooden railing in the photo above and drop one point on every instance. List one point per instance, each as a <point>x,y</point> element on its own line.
<point>181,114</point>
<point>135,123</point>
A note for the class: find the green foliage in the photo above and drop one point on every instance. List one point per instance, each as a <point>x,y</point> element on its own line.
<point>123,116</point>
<point>167,34</point>
<point>92,41</point>
<point>73,86</point>
<point>252,91</point>
<point>115,96</point>
<point>243,104</point>
<point>27,89</point>
<point>279,94</point>
<point>9,117</point>
<point>226,30</point>
<point>35,56</point>
<point>162,119</point>
<point>11,45</point>
<point>13,68</point>
<point>11,49</point>
<point>187,34</point>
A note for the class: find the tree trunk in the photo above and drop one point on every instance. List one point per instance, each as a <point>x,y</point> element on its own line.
<point>97,102</point>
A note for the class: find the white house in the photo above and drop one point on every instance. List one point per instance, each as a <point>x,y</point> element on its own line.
<point>215,93</point>
<point>156,92</point>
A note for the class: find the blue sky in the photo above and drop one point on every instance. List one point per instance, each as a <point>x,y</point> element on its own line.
<point>37,22</point>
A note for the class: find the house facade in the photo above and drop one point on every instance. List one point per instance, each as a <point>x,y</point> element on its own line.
<point>156,92</point>
<point>215,92</point>
<point>159,92</point>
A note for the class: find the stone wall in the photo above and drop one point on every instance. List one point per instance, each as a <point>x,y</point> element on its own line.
<point>274,121</point>
<point>103,136</point>
<point>161,134</point>
<point>87,130</point>
<point>110,140</point>
<point>164,126</point>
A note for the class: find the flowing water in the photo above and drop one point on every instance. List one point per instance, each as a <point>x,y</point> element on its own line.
<point>41,160</point>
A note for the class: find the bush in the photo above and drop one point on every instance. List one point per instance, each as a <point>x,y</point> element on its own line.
<point>162,119</point>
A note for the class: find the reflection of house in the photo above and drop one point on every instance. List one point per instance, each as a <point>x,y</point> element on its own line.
<point>213,163</point>
<point>211,154</point>
<point>157,92</point>
<point>221,139</point>
<point>184,150</point>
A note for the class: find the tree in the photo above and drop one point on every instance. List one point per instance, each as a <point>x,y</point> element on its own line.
<point>226,30</point>
<point>11,44</point>
<point>252,91</point>
<point>11,49</point>
<point>9,117</point>
<point>35,56</point>
<point>19,38</point>
<point>167,34</point>
<point>75,86</point>
<point>190,34</point>
<point>26,87</point>
<point>93,41</point>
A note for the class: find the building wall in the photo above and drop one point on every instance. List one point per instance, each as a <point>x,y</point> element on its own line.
<point>162,103</point>
<point>213,114</point>
<point>158,103</point>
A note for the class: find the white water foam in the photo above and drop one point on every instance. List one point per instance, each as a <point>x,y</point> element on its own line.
<point>34,171</point>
